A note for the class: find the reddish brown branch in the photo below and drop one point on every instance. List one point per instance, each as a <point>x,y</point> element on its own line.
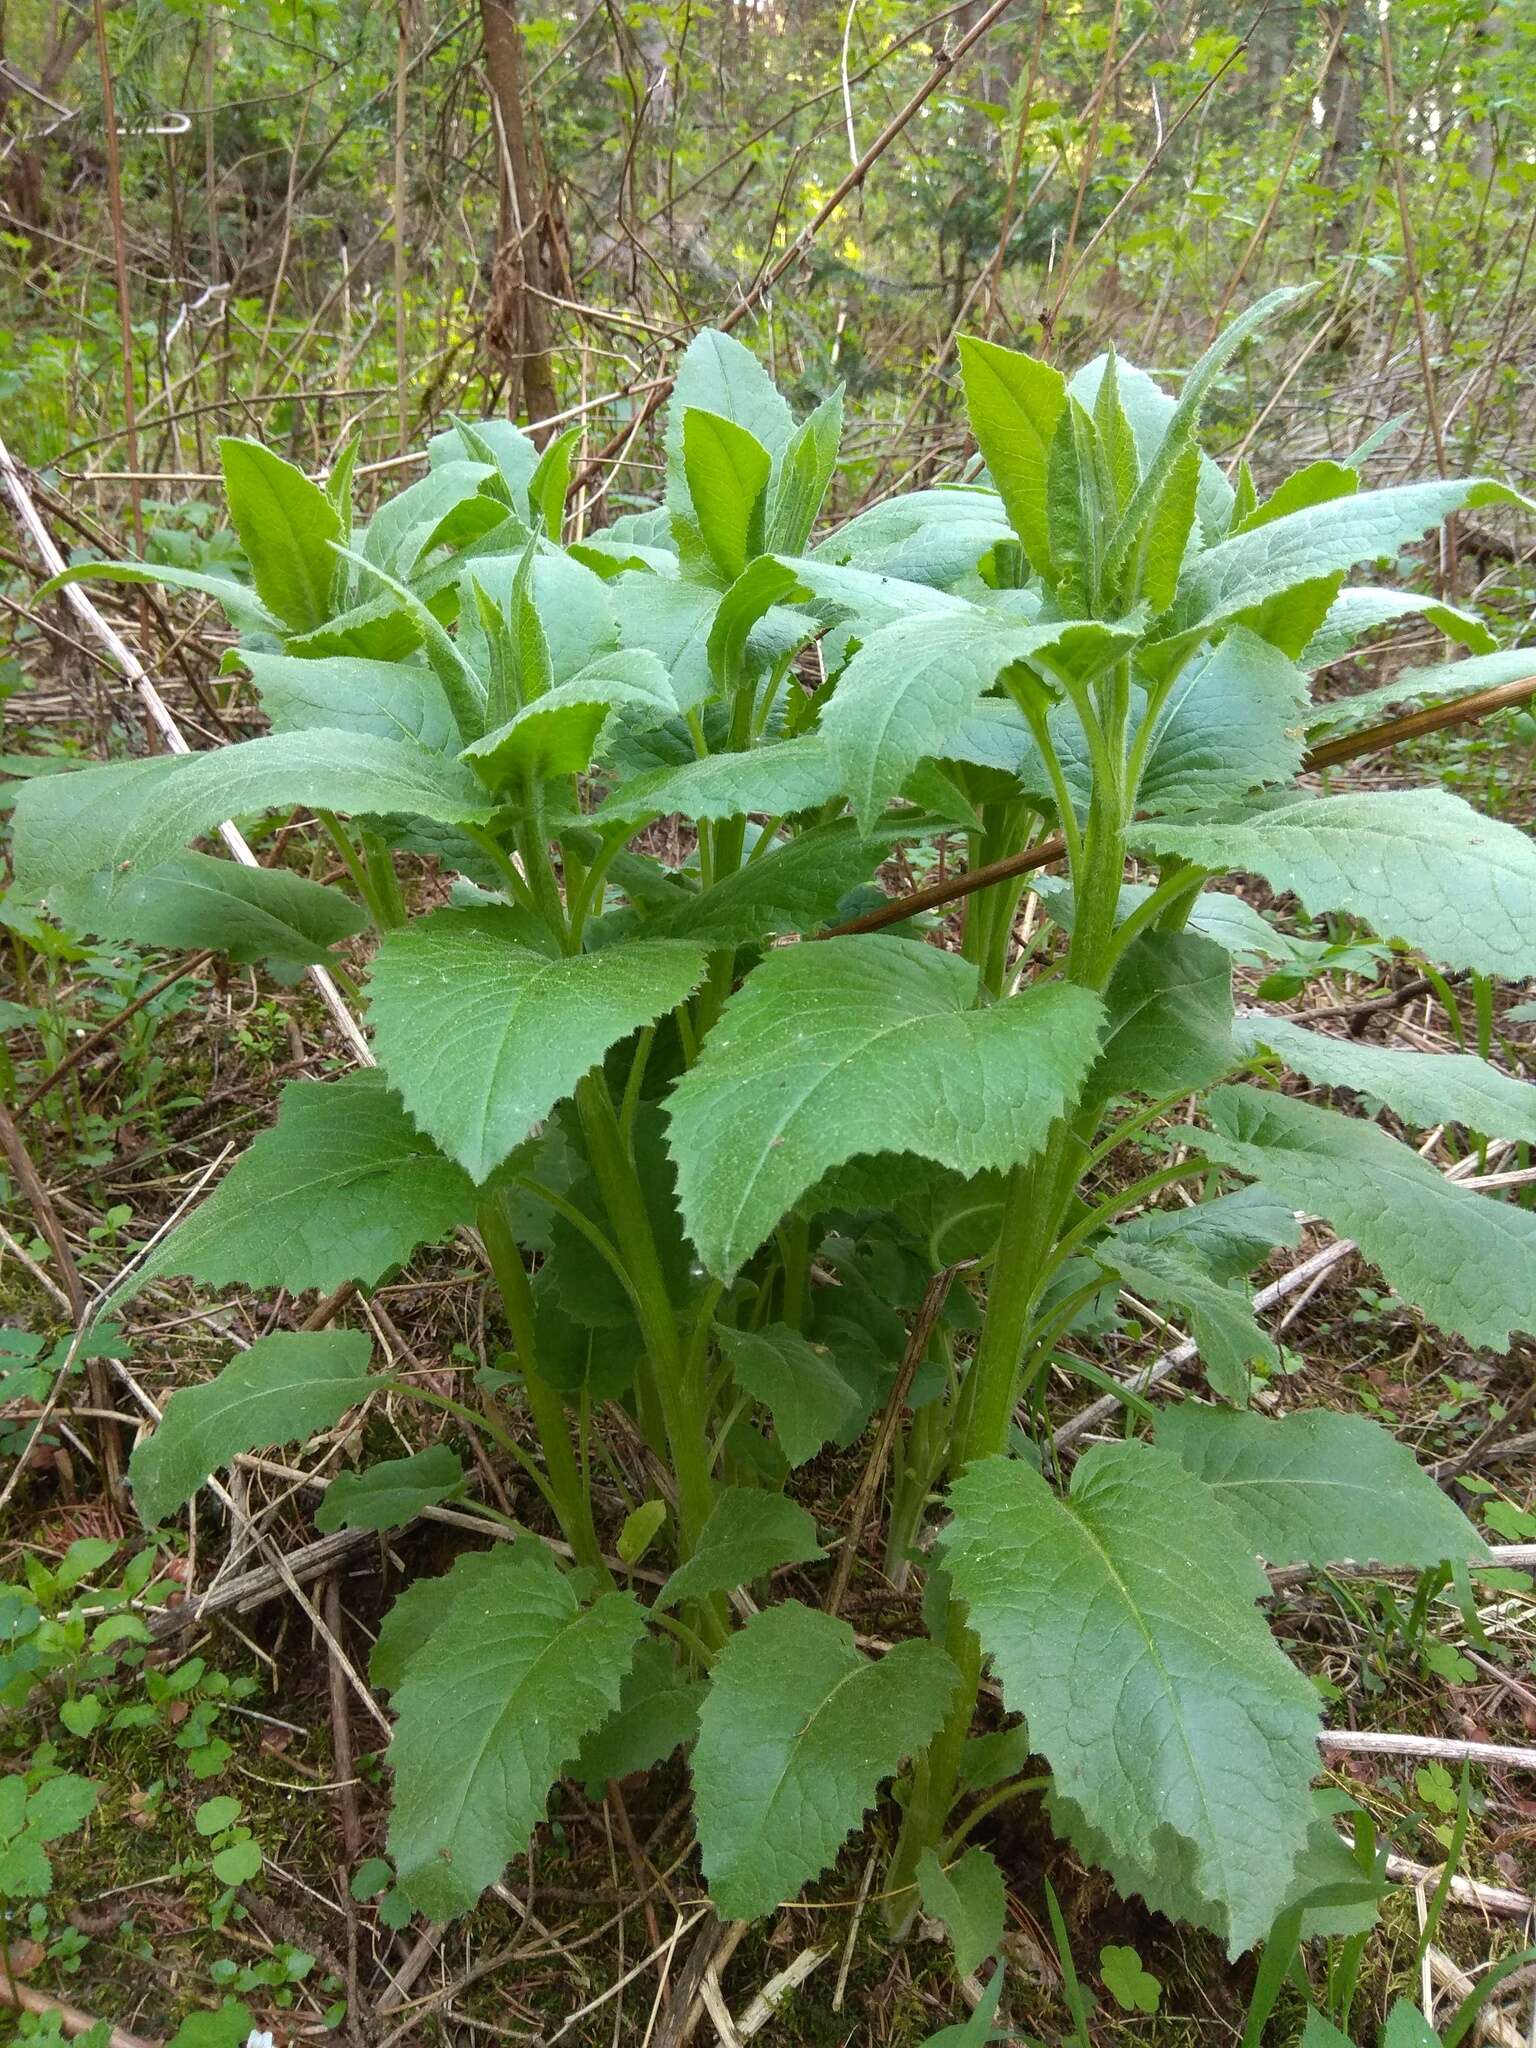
<point>1348,747</point>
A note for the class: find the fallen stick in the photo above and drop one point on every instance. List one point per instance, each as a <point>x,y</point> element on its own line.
<point>1362,1741</point>
<point>1309,1270</point>
<point>1450,1976</point>
<point>765,2003</point>
<point>22,1998</point>
<point>165,724</point>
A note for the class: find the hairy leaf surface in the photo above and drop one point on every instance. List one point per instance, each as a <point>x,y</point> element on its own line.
<point>483,1037</point>
<point>133,814</point>
<point>194,900</point>
<point>1122,1623</point>
<point>864,1044</point>
<point>391,700</point>
<point>1418,864</point>
<point>796,1733</point>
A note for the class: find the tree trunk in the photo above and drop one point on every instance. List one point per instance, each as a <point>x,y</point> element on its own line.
<point>518,327</point>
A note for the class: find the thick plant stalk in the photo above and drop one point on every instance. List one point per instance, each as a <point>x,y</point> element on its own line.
<point>624,1200</point>
<point>1047,852</point>
<point>1038,1194</point>
<point>573,1499</point>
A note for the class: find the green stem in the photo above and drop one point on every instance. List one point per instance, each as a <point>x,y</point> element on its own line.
<point>570,1497</point>
<point>357,868</point>
<point>624,1200</point>
<point>1038,1196</point>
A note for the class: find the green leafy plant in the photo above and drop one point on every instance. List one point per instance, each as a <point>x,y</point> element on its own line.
<point>722,1182</point>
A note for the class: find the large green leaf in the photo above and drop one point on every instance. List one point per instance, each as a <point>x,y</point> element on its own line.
<point>865,1044</point>
<point>390,1495</point>
<point>913,684</point>
<point>796,1733</point>
<point>134,814</point>
<point>238,600</point>
<point>809,461</point>
<point>1418,864</point>
<point>1015,402</point>
<point>1228,1235</point>
<point>410,1622</point>
<point>749,1532</point>
<point>1242,573</point>
<point>1361,607</point>
<point>286,526</point>
<point>280,1391</point>
<point>1168,1022</point>
<point>1319,1487</point>
<point>1467,1260</point>
<point>514,1675</point>
<point>342,1187</point>
<point>483,1036</point>
<point>1122,1622</point>
<point>443,508</point>
<point>934,537</point>
<point>716,374</point>
<point>194,900</point>
<point>798,1383</point>
<point>392,700</point>
<point>777,779</point>
<point>1441,683</point>
<point>1233,721</point>
<point>1424,1088</point>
